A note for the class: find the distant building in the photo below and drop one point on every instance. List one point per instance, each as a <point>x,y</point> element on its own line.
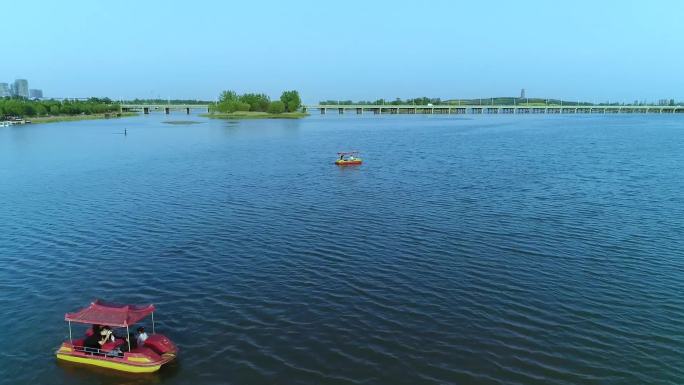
<point>5,90</point>
<point>522,93</point>
<point>35,94</point>
<point>21,88</point>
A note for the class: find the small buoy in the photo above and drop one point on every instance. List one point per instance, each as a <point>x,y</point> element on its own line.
<point>125,131</point>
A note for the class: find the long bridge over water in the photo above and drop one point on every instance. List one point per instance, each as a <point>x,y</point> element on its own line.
<point>447,109</point>
<point>167,108</point>
<point>494,109</point>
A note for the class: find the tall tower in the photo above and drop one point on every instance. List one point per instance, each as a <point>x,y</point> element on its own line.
<point>5,90</point>
<point>35,94</point>
<point>21,88</point>
<point>522,93</point>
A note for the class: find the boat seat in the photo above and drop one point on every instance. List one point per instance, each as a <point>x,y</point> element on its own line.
<point>148,352</point>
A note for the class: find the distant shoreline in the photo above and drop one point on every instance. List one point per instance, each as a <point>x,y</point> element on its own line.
<point>255,115</point>
<point>71,118</point>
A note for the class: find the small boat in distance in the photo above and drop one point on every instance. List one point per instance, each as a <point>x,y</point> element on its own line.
<point>348,158</point>
<point>122,353</point>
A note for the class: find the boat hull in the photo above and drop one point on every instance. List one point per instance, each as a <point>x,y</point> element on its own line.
<point>158,350</point>
<point>109,364</point>
<point>348,162</point>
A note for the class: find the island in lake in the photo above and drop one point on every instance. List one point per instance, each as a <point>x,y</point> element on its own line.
<point>257,106</point>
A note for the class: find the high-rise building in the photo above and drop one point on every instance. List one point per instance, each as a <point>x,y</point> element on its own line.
<point>522,93</point>
<point>5,90</point>
<point>35,94</point>
<point>21,88</point>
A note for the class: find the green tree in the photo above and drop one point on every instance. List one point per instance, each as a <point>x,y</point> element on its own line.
<point>24,107</point>
<point>224,107</point>
<point>14,107</point>
<point>240,106</point>
<point>41,110</point>
<point>228,96</point>
<point>291,100</point>
<point>257,102</point>
<point>276,107</point>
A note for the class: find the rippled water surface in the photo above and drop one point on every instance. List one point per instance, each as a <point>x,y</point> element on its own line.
<point>476,250</point>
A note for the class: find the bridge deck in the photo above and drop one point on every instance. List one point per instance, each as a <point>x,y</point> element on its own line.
<point>493,109</point>
<point>162,106</point>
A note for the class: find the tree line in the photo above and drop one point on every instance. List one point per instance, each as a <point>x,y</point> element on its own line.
<point>230,101</point>
<point>379,102</point>
<point>28,108</point>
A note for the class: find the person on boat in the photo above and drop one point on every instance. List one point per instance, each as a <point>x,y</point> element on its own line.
<point>95,329</point>
<point>94,342</point>
<point>119,348</point>
<point>140,336</point>
<point>341,156</point>
<point>108,330</point>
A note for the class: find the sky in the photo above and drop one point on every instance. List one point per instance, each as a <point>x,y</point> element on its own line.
<point>361,50</point>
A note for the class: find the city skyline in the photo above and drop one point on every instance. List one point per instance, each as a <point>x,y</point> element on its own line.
<point>619,51</point>
<point>20,88</point>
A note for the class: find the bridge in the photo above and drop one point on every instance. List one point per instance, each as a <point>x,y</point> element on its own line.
<point>494,109</point>
<point>167,108</point>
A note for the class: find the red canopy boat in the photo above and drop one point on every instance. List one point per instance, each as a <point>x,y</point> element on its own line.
<point>348,158</point>
<point>120,354</point>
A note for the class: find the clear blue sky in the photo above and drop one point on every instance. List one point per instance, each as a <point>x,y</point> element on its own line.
<point>588,50</point>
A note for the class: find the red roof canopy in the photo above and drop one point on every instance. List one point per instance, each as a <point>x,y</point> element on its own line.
<point>102,313</point>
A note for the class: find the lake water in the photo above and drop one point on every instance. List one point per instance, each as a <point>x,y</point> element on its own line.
<point>465,250</point>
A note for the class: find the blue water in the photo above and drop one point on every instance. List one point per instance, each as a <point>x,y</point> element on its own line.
<point>471,250</point>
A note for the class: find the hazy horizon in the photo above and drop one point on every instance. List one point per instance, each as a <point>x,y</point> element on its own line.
<point>613,51</point>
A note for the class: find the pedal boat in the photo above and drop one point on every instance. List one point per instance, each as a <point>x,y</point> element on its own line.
<point>348,158</point>
<point>156,351</point>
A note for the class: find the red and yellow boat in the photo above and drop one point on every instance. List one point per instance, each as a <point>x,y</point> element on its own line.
<point>348,158</point>
<point>156,350</point>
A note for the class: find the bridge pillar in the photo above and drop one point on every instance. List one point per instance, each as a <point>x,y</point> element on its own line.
<point>146,110</point>
<point>167,110</point>
<point>187,111</point>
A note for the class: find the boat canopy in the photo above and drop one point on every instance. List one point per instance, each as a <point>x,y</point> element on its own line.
<point>101,313</point>
<point>347,153</point>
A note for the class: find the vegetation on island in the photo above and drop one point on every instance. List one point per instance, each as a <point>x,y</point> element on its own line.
<point>253,105</point>
<point>25,108</point>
